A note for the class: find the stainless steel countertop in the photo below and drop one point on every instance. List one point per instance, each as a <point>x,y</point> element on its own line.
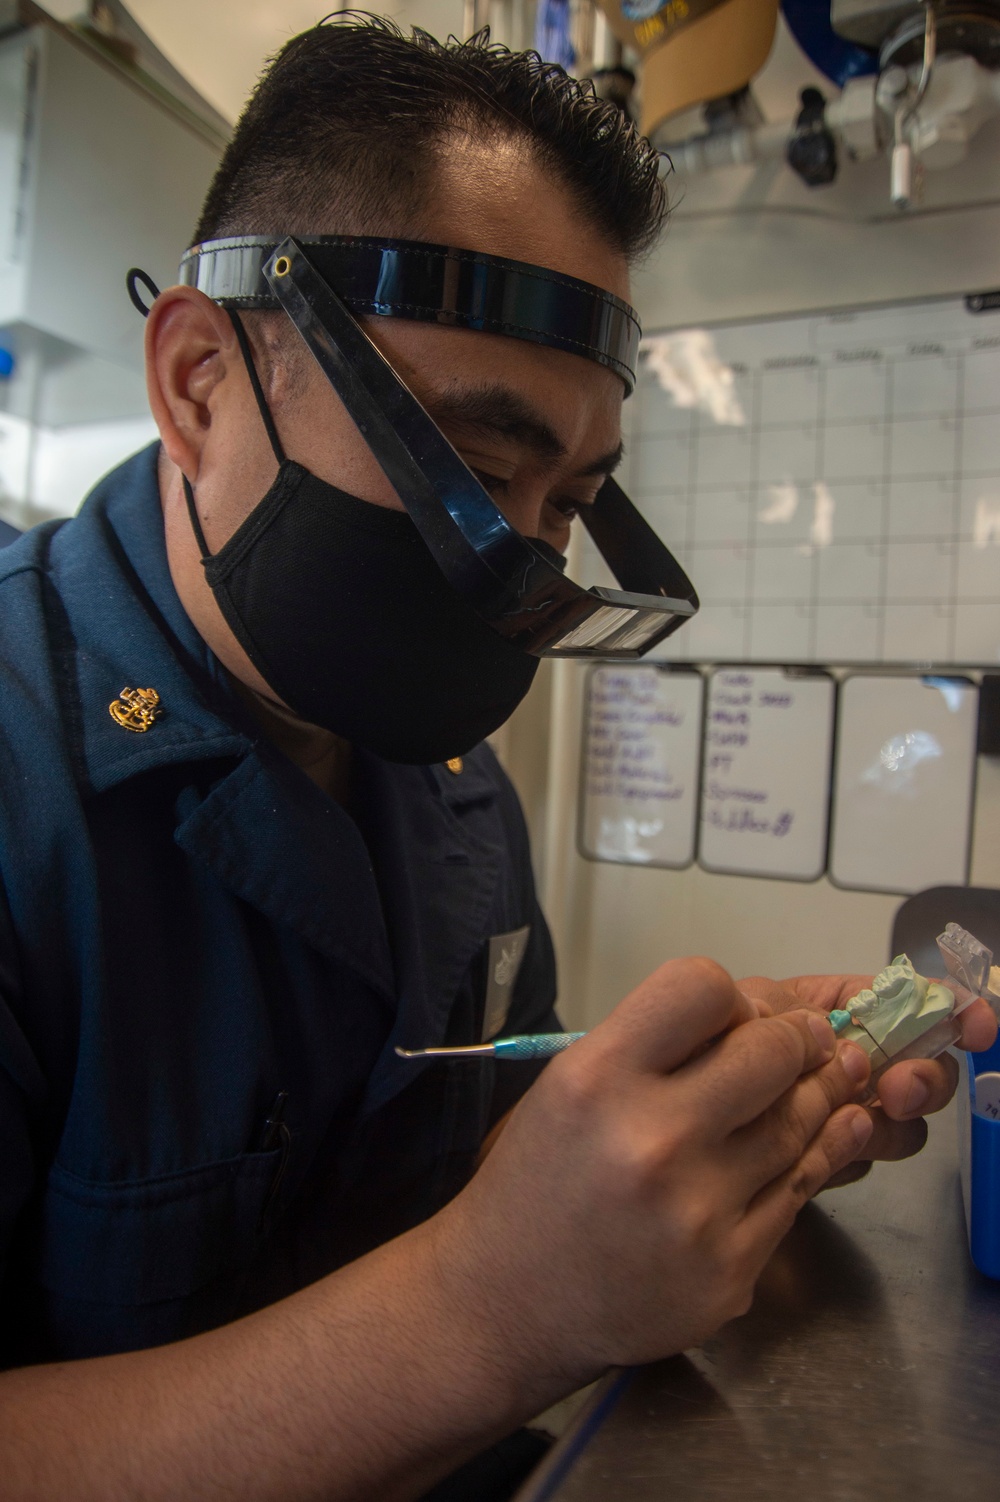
<point>868,1369</point>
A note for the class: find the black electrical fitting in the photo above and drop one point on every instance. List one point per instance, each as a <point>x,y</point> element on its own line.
<point>988,738</point>
<point>617,85</point>
<point>812,150</point>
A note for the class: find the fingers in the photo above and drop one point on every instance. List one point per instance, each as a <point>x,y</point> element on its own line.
<point>979,1028</point>
<point>841,1141</point>
<point>772,1144</point>
<point>769,996</point>
<point>917,1087</point>
<point>849,1175</point>
<point>891,1140</point>
<point>824,992</point>
<point>828,991</point>
<point>750,1068</point>
<point>682,1006</point>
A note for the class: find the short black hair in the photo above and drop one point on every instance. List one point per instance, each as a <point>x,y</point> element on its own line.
<point>343,130</point>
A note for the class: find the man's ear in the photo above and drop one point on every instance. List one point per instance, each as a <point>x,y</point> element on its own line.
<point>190,348</point>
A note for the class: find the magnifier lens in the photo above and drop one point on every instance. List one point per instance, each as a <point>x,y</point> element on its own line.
<point>640,633</point>
<point>613,629</point>
<point>599,627</point>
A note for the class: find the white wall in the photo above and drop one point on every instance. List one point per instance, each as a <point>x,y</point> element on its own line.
<point>221,47</point>
<point>46,472</point>
<point>745,243</point>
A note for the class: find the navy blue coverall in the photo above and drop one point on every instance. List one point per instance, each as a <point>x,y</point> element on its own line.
<point>190,927</point>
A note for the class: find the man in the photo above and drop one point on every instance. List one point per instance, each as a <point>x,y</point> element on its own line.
<point>246,1252</point>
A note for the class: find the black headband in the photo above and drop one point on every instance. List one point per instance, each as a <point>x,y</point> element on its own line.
<point>433,284</point>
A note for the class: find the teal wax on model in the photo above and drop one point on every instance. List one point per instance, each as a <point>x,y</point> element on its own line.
<point>839,1020</point>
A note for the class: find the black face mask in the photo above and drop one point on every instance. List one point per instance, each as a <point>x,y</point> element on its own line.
<point>342,610</point>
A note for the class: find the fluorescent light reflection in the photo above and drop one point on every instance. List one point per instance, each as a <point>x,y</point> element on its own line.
<point>986,526</point>
<point>782,505</point>
<point>688,368</point>
<point>898,760</point>
<point>951,692</point>
<point>626,839</point>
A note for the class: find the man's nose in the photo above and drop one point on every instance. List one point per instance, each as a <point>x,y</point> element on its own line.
<point>524,511</point>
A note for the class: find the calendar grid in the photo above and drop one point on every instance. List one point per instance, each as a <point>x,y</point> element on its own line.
<point>830,482</point>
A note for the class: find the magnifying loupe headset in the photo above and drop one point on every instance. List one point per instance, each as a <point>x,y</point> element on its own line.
<point>516,584</point>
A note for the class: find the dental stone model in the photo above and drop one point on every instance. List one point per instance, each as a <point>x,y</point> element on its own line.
<point>906,1016</point>
<point>900,1007</point>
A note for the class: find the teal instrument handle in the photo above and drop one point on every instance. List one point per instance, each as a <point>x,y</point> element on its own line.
<point>534,1045</point>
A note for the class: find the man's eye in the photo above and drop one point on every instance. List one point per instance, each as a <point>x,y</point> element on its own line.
<point>492,484</point>
<point>567,507</point>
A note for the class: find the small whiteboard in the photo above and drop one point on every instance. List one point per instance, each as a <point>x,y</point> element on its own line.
<point>641,750</point>
<point>904,783</point>
<point>765,793</point>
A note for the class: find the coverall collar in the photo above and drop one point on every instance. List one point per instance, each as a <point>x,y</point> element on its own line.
<point>129,630</point>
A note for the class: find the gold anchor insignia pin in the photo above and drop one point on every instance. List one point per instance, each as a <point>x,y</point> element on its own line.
<point>454,764</point>
<point>136,709</point>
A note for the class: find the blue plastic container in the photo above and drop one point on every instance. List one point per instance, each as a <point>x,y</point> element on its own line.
<point>979,1144</point>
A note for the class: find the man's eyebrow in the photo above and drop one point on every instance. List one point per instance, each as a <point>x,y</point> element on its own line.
<point>496,411</point>
<point>606,464</point>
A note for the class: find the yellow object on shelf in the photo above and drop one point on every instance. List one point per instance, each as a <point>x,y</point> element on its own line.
<point>691,51</point>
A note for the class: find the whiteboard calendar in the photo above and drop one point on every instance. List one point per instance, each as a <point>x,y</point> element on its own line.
<point>765,791</point>
<point>830,482</point>
<point>641,754</point>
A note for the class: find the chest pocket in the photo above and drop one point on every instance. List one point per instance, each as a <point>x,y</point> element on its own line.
<point>125,1264</point>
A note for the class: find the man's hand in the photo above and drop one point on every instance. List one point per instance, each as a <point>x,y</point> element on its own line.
<point>626,1211</point>
<point>907,1092</point>
<point>642,1183</point>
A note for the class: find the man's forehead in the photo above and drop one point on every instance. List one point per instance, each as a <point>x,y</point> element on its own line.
<point>497,195</point>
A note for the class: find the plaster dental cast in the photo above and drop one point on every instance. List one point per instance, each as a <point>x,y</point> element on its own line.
<point>903,1015</point>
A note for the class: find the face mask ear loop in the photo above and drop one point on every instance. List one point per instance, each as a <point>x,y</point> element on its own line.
<point>266,418</point>
<point>195,523</point>
<point>258,390</point>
